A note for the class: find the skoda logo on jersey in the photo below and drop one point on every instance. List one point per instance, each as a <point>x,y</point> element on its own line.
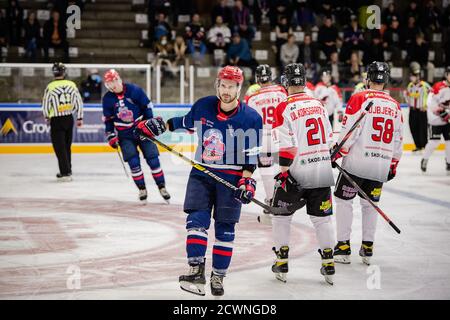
<point>7,128</point>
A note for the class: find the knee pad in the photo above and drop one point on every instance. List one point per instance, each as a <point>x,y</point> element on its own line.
<point>153,162</point>
<point>224,231</point>
<point>134,162</point>
<point>198,220</point>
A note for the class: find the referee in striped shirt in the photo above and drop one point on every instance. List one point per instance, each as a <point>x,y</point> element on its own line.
<point>61,100</point>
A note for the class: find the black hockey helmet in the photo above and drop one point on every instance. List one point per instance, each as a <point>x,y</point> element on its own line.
<point>447,70</point>
<point>58,69</point>
<point>294,75</point>
<point>378,72</point>
<point>263,73</point>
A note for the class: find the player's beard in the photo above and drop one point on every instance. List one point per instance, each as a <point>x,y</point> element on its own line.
<point>227,98</point>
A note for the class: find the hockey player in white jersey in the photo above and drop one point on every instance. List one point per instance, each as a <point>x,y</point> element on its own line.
<point>438,114</point>
<point>370,157</point>
<point>329,94</point>
<point>264,101</point>
<point>304,134</point>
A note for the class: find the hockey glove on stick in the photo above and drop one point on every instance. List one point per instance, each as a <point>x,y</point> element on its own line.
<point>337,155</point>
<point>152,127</point>
<point>393,169</point>
<point>113,140</point>
<point>246,190</point>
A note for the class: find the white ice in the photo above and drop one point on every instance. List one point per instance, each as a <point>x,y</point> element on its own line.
<point>91,239</point>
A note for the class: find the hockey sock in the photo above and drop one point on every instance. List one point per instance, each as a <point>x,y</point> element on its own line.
<point>197,237</point>
<point>223,247</point>
<point>369,221</point>
<point>324,231</point>
<point>429,148</point>
<point>136,172</point>
<point>344,218</point>
<point>157,171</point>
<point>281,230</point>
<point>267,175</point>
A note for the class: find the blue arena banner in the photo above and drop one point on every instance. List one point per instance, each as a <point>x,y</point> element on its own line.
<point>24,123</point>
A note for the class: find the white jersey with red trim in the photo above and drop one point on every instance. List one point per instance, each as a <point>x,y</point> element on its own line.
<point>377,140</point>
<point>303,131</point>
<point>439,89</point>
<point>330,96</point>
<point>264,101</point>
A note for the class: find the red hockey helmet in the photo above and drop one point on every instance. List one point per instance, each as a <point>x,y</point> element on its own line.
<point>111,75</point>
<point>231,73</point>
<point>112,81</point>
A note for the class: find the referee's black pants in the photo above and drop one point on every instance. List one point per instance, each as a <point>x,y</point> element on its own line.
<point>419,127</point>
<point>61,129</point>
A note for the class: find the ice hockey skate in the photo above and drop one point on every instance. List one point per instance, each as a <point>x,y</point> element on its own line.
<point>163,192</point>
<point>327,269</point>
<point>63,177</point>
<point>194,282</point>
<point>216,283</point>
<point>423,165</point>
<point>280,266</point>
<point>342,252</point>
<point>366,252</point>
<point>143,195</point>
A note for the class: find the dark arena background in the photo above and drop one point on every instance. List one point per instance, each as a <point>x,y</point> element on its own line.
<point>86,235</point>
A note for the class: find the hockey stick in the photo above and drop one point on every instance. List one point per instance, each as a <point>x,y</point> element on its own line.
<point>365,196</point>
<point>123,163</point>
<point>348,134</point>
<point>198,166</point>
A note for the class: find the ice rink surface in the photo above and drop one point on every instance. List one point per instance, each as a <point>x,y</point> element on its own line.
<point>92,239</point>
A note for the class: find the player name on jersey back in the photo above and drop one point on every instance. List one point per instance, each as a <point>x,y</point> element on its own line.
<point>303,131</point>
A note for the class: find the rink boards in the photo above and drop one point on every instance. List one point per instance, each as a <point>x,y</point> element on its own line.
<point>24,130</point>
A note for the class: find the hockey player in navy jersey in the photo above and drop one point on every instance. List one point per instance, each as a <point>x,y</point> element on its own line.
<point>123,107</point>
<point>229,134</point>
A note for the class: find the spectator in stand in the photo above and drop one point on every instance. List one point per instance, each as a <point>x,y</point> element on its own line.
<point>3,31</point>
<point>32,31</point>
<point>431,19</point>
<point>391,40</point>
<point>219,36</point>
<point>336,67</point>
<point>55,36</point>
<point>239,53</point>
<point>327,36</point>
<point>195,29</point>
<point>446,47</point>
<point>354,69</point>
<point>91,88</point>
<point>221,9</point>
<point>324,8</point>
<point>165,55</point>
<point>308,54</point>
<point>180,49</point>
<point>261,9</point>
<point>303,14</point>
<point>413,10</point>
<point>409,33</point>
<point>419,53</point>
<point>162,28</point>
<point>282,30</point>
<point>14,19</point>
<point>353,39</point>
<point>197,48</point>
<point>289,52</point>
<point>241,21</point>
<point>376,52</point>
<point>388,13</point>
<point>277,9</point>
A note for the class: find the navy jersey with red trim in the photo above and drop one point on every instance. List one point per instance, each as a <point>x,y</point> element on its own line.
<point>225,142</point>
<point>123,111</point>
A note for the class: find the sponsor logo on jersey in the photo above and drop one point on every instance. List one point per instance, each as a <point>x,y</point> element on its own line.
<point>7,128</point>
<point>214,146</point>
<point>125,114</point>
<point>376,193</point>
<point>326,206</point>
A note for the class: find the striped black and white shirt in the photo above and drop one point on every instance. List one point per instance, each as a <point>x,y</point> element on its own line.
<point>62,98</point>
